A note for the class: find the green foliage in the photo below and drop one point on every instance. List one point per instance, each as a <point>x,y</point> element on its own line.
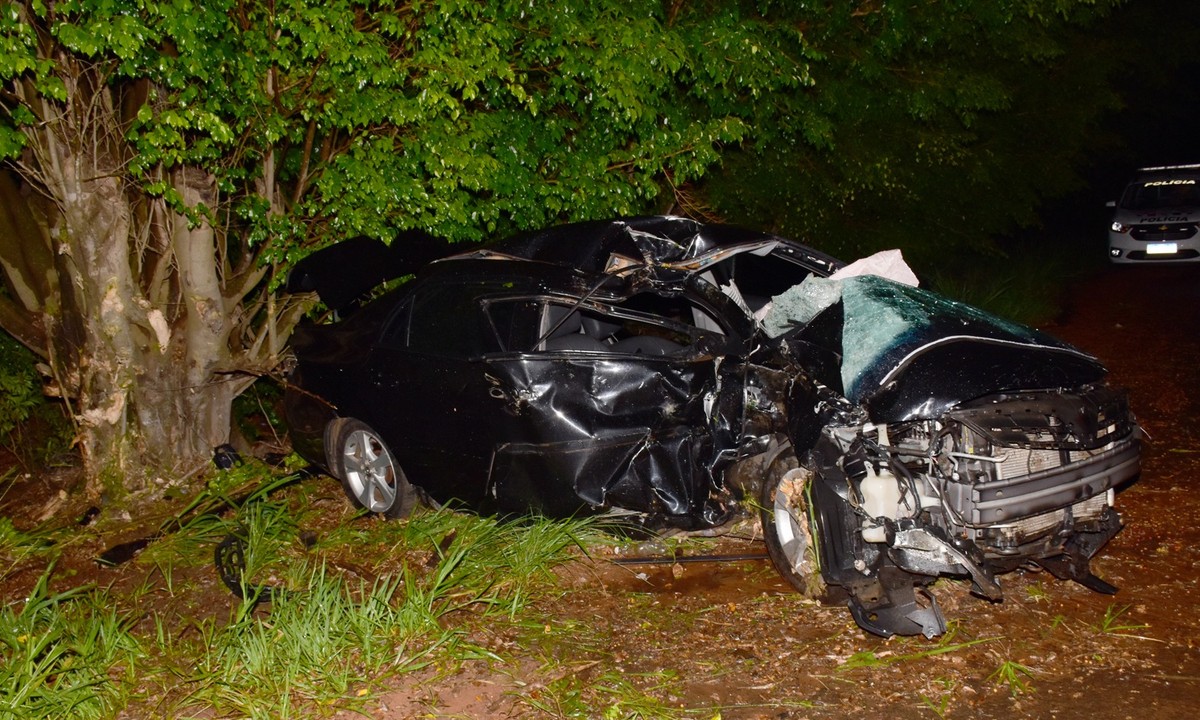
<point>313,646</point>
<point>327,638</point>
<point>1114,621</point>
<point>365,600</point>
<point>460,118</point>
<point>940,704</point>
<point>271,129</point>
<point>20,385</point>
<point>945,644</point>
<point>61,655</point>
<point>1015,676</point>
<point>16,546</point>
<point>257,412</point>
<point>931,128</point>
<point>612,696</point>
<point>32,426</point>
<point>289,126</point>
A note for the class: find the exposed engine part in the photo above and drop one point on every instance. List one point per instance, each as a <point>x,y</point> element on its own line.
<point>970,499</point>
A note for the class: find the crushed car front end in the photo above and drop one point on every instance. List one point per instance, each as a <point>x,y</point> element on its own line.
<point>951,444</point>
<point>659,369</point>
<point>992,486</point>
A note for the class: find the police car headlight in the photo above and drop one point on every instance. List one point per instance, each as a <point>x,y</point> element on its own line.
<point>1119,227</point>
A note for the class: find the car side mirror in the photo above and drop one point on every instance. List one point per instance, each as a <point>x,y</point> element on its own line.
<point>1111,204</point>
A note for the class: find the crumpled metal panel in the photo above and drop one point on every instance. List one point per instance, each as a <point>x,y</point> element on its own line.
<point>906,353</point>
<point>508,379</point>
<point>664,242</point>
<point>633,433</point>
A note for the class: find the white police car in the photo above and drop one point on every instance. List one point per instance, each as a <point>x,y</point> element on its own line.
<point>1157,218</point>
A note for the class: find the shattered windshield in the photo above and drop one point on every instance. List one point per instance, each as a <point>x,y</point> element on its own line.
<point>885,322</point>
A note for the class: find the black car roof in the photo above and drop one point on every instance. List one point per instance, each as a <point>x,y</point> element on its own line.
<point>590,246</point>
<point>586,247</point>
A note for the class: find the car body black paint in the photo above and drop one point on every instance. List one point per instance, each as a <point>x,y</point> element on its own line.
<point>608,366</point>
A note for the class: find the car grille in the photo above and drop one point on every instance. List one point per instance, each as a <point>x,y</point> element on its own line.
<point>1015,534</point>
<point>1166,231</point>
<point>1029,482</point>
<point>1019,462</point>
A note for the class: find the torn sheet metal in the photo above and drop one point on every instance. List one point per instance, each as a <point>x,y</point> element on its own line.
<point>628,432</point>
<point>908,353</point>
<point>663,370</point>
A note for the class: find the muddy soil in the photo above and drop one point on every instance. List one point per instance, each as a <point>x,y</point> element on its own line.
<point>730,640</point>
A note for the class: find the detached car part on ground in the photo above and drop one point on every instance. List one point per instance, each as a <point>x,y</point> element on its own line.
<point>665,370</point>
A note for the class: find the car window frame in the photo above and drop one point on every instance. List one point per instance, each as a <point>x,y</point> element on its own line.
<point>605,308</point>
<point>397,332</point>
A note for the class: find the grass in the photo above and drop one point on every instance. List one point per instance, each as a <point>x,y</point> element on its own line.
<point>944,645</point>
<point>327,640</point>
<point>610,694</point>
<point>366,601</point>
<point>940,703</point>
<point>362,601</point>
<point>1114,622</point>
<point>1036,593</point>
<point>313,649</point>
<point>64,654</point>
<point>18,546</point>
<point>1014,676</point>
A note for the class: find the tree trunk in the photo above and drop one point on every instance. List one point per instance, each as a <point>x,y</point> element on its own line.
<point>102,287</point>
<point>133,300</point>
<point>123,269</point>
<point>151,403</point>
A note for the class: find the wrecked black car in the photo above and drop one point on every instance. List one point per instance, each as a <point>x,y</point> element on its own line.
<point>670,372</point>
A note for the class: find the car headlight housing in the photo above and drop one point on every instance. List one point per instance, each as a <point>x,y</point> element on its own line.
<point>1119,227</point>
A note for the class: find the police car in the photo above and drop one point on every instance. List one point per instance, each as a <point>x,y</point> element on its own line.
<point>1157,218</point>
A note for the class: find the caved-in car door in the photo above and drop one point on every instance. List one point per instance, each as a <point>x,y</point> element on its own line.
<point>609,408</point>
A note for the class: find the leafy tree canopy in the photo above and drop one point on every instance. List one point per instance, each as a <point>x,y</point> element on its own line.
<point>929,126</point>
<point>169,158</point>
<point>461,118</point>
<point>173,157</point>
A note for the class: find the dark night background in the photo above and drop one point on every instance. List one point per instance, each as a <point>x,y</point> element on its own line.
<point>1158,124</point>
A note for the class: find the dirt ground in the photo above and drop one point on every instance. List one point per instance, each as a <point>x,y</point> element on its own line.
<point>736,643</point>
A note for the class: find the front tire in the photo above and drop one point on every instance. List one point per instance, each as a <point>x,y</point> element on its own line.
<point>788,525</point>
<point>369,473</point>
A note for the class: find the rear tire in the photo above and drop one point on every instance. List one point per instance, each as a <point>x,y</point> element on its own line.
<point>369,473</point>
<point>787,525</point>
